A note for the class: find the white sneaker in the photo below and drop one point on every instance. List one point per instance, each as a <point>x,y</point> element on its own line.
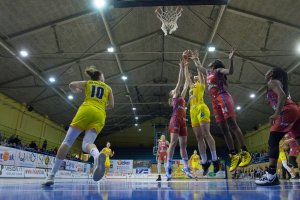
<point>48,181</point>
<point>99,168</point>
<point>268,180</point>
<point>187,172</point>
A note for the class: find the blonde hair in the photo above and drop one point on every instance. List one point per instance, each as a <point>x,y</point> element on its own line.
<point>93,73</point>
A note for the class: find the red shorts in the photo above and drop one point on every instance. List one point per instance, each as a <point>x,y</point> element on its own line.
<point>177,125</point>
<point>294,151</point>
<point>288,120</point>
<point>223,107</point>
<point>162,156</point>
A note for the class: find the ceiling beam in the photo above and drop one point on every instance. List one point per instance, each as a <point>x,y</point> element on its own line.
<point>214,31</point>
<point>259,17</point>
<point>48,25</point>
<point>80,59</point>
<point>30,68</point>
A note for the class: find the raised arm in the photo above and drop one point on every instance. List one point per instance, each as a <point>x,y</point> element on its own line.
<point>228,71</point>
<point>111,101</point>
<point>187,76</point>
<point>186,84</point>
<point>201,78</point>
<point>77,86</point>
<point>198,63</point>
<point>180,79</point>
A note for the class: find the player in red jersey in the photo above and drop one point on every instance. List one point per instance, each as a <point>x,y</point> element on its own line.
<point>294,152</point>
<point>163,146</point>
<point>177,125</point>
<point>223,107</point>
<point>286,118</point>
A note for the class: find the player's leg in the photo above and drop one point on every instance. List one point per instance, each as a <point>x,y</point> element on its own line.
<point>293,162</point>
<point>88,146</point>
<point>159,162</point>
<point>271,178</point>
<point>285,165</point>
<point>63,150</point>
<point>173,141</point>
<point>184,155</point>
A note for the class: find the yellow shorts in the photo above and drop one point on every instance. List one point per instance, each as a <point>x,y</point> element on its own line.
<point>89,117</point>
<point>195,165</point>
<point>282,156</point>
<point>199,114</point>
<point>107,162</point>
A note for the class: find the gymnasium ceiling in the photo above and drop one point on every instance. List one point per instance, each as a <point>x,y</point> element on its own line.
<point>63,37</point>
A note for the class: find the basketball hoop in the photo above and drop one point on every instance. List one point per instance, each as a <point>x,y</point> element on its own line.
<point>169,18</point>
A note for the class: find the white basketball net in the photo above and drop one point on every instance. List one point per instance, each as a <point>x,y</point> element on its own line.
<point>168,18</point>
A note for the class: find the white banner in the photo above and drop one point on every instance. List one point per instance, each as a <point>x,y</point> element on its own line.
<point>80,175</point>
<point>34,173</point>
<point>25,158</point>
<point>7,156</point>
<point>11,171</point>
<point>121,166</point>
<point>45,161</point>
<point>64,174</point>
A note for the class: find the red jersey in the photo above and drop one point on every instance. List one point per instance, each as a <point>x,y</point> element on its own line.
<point>293,143</point>
<point>178,104</point>
<point>273,99</point>
<point>215,82</point>
<point>163,146</point>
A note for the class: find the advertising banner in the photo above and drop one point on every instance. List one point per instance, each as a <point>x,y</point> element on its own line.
<point>121,166</point>
<point>45,161</point>
<point>7,156</point>
<point>11,171</point>
<point>25,158</point>
<point>64,174</point>
<point>34,173</point>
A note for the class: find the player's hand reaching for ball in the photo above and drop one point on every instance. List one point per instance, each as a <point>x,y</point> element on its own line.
<point>231,54</point>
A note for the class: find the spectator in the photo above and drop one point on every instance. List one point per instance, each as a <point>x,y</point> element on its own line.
<point>33,145</point>
<point>44,146</point>
<point>11,139</point>
<point>17,141</point>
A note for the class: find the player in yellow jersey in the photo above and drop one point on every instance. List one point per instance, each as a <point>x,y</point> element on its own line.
<point>283,158</point>
<point>195,162</point>
<point>90,118</point>
<point>108,153</point>
<point>200,119</point>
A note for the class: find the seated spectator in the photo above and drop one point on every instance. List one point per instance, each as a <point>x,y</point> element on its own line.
<point>11,139</point>
<point>44,146</point>
<point>17,141</point>
<point>33,145</point>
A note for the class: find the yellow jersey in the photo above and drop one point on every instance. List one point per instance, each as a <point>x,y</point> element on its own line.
<point>195,158</point>
<point>107,151</point>
<point>96,94</point>
<point>196,94</point>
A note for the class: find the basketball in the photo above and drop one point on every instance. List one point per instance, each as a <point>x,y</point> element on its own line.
<point>187,54</point>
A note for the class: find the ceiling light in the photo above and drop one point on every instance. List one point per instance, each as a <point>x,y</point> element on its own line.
<point>24,53</point>
<point>252,96</point>
<point>99,3</point>
<point>52,79</point>
<point>70,97</point>
<point>135,124</point>
<point>140,129</point>
<point>133,108</point>
<point>136,118</point>
<point>238,107</point>
<point>124,77</point>
<point>110,49</point>
<point>211,48</point>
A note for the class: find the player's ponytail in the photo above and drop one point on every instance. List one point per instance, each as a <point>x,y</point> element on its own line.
<point>93,73</point>
<point>280,75</point>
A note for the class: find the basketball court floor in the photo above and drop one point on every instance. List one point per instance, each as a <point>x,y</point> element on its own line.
<point>23,189</point>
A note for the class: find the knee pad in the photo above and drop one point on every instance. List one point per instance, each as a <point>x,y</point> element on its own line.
<point>89,138</point>
<point>71,136</point>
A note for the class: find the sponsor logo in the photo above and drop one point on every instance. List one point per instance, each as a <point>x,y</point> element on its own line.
<point>34,171</point>
<point>123,162</point>
<point>6,156</point>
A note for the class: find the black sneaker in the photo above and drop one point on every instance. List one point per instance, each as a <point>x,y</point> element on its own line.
<point>216,165</point>
<point>268,180</point>
<point>205,167</point>
<point>159,178</point>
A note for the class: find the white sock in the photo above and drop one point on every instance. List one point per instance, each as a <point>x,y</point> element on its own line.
<point>56,166</point>
<point>165,166</point>
<point>214,156</point>
<point>94,152</point>
<point>185,162</point>
<point>159,168</point>
<point>203,158</point>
